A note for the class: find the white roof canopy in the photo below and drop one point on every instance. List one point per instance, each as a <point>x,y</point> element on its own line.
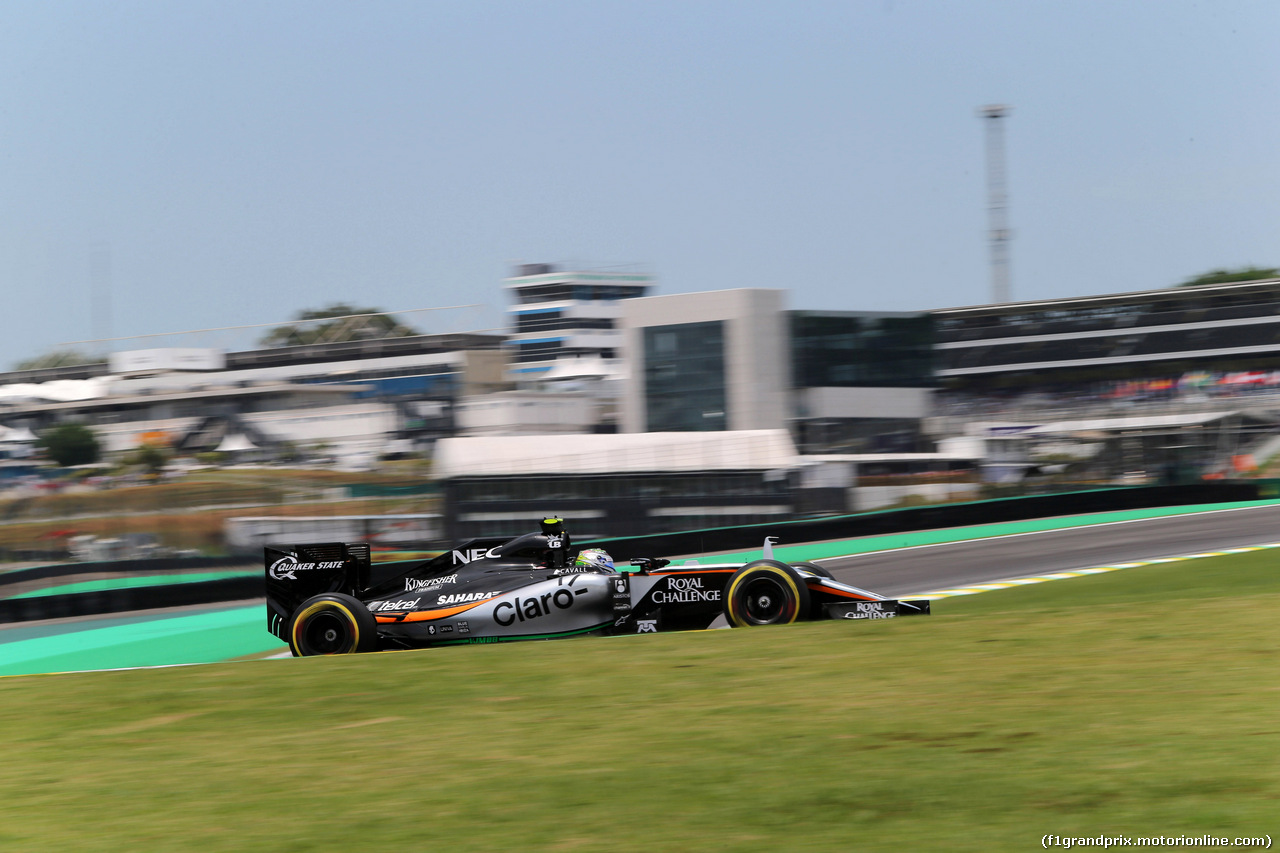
<point>741,450</point>
<point>57,390</point>
<point>235,442</point>
<point>19,434</point>
<point>585,367</point>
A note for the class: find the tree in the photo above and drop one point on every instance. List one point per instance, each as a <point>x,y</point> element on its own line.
<point>57,358</point>
<point>342,323</point>
<point>150,457</point>
<point>70,444</point>
<point>1225,276</point>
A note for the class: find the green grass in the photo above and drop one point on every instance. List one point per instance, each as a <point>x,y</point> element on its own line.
<point>1238,576</point>
<point>1142,702</point>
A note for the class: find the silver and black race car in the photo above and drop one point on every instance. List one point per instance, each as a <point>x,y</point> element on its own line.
<point>321,599</point>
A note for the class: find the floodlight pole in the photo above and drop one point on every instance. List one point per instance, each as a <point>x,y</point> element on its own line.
<point>997,202</point>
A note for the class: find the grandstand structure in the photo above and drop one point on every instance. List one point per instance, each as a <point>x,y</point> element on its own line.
<point>1155,385</point>
<point>351,397</point>
<point>1177,379</point>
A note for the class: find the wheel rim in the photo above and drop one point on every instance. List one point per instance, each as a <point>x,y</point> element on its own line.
<point>326,633</point>
<point>765,600</point>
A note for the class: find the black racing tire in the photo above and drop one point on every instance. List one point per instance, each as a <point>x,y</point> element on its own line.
<point>765,592</point>
<point>816,569</point>
<point>332,624</point>
<point>815,607</point>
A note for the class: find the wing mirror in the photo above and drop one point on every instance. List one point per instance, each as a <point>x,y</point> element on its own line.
<point>644,565</point>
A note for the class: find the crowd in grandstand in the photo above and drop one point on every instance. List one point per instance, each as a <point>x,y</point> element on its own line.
<point>1191,386</point>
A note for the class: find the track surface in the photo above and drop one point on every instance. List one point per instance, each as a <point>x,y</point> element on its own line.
<point>214,633</point>
<point>914,571</point>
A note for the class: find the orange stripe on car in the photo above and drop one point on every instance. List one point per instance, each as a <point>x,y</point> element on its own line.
<point>817,586</point>
<point>429,615</point>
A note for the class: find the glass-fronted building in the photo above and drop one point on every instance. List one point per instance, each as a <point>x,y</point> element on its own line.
<point>842,349</point>
<point>862,380</point>
<point>710,361</point>
<point>841,381</point>
<point>684,377</point>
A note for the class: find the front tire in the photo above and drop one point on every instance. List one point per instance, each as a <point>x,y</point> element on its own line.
<point>765,592</point>
<point>816,569</point>
<point>332,624</point>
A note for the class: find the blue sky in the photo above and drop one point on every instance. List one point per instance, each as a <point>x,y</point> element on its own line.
<point>231,163</point>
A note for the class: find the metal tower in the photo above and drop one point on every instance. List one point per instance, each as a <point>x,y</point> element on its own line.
<point>997,202</point>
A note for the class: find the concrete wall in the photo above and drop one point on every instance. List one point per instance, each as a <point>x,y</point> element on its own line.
<point>353,430</point>
<point>527,413</point>
<point>483,372</point>
<point>866,498</point>
<point>864,402</point>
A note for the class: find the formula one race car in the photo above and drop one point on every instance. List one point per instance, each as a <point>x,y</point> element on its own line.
<point>536,587</point>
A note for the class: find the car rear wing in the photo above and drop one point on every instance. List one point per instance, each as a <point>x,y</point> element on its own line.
<point>294,573</point>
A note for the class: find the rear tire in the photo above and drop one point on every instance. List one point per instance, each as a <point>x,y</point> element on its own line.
<point>332,624</point>
<point>765,592</point>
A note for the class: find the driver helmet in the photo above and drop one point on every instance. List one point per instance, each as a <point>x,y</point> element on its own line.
<point>594,558</point>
